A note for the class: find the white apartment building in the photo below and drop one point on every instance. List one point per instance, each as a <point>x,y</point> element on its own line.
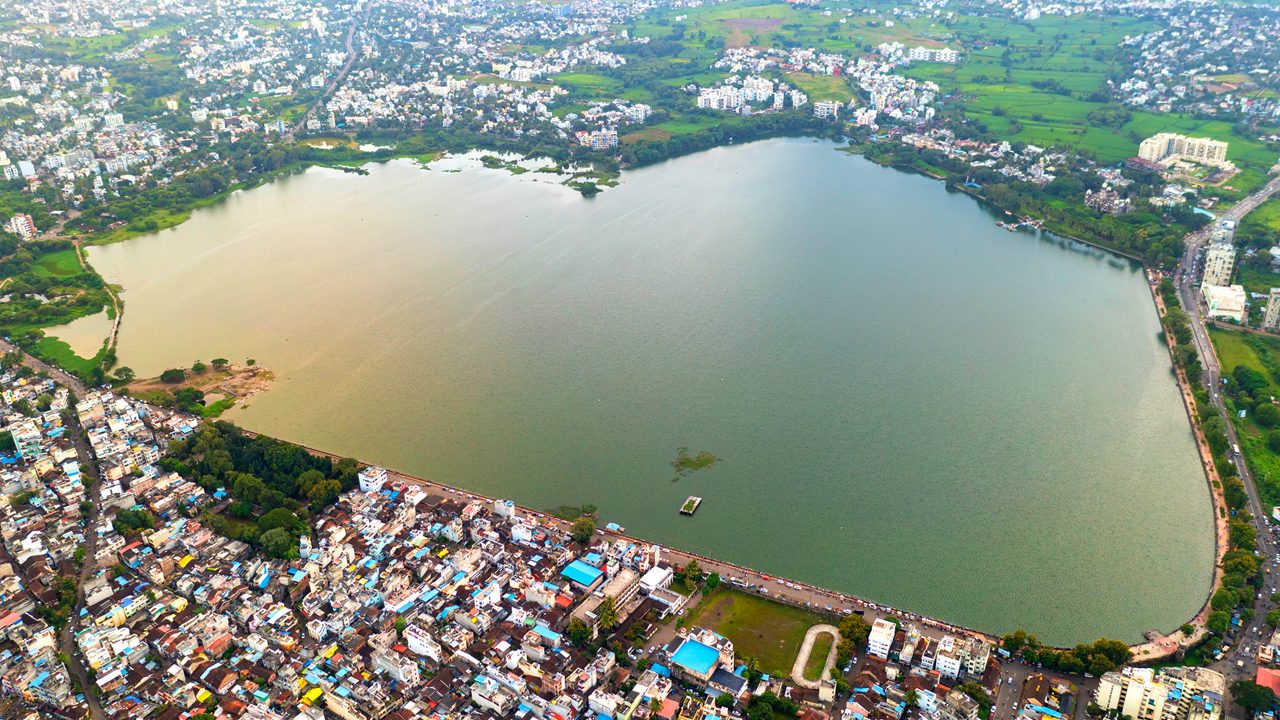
<point>1178,693</point>
<point>1271,319</point>
<point>880,639</point>
<point>372,479</point>
<point>21,225</point>
<point>1168,148</point>
<point>1219,261</point>
<point>826,109</point>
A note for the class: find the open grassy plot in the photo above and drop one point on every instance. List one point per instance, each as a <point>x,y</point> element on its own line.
<point>821,87</point>
<point>1257,281</point>
<point>588,82</point>
<point>1257,352</point>
<point>818,657</point>
<point>768,631</point>
<point>61,264</point>
<point>60,353</point>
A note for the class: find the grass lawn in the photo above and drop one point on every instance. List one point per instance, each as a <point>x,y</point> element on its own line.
<point>1257,281</point>
<point>821,87</point>
<point>818,657</point>
<point>1238,348</point>
<point>61,354</point>
<point>60,264</point>
<point>766,630</point>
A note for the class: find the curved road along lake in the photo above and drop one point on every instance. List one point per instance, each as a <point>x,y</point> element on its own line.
<point>910,404</point>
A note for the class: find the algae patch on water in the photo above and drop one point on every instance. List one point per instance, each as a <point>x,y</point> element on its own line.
<point>686,463</point>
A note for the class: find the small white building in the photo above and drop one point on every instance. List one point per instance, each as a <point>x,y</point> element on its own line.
<point>657,578</point>
<point>880,639</point>
<point>372,479</point>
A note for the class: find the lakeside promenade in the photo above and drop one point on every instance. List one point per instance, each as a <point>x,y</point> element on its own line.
<point>784,590</point>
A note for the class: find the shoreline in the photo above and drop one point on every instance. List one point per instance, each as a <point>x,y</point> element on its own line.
<point>1147,650</point>
<point>839,600</point>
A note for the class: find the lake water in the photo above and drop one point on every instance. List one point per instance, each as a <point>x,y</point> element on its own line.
<point>910,404</point>
<point>84,335</point>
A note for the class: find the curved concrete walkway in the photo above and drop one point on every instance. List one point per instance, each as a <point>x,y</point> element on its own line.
<point>806,647</point>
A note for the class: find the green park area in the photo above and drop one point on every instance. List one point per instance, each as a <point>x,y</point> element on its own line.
<point>760,628</point>
<point>1251,366</point>
<point>47,287</point>
<point>817,660</point>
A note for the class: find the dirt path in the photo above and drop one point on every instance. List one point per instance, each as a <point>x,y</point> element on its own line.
<point>117,308</point>
<point>806,648</point>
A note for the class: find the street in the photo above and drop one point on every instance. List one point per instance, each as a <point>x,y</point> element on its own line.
<point>1240,662</point>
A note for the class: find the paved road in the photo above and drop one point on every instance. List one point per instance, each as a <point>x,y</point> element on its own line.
<point>1240,662</point>
<point>66,637</point>
<point>39,366</point>
<point>342,73</point>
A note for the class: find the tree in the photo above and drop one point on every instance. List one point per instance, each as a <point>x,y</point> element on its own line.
<point>1252,696</point>
<point>578,633</point>
<point>1267,415</point>
<point>220,363</point>
<point>1223,599</point>
<point>854,629</point>
<point>1219,621</point>
<point>713,581</point>
<point>124,375</point>
<point>912,698</point>
<point>278,543</point>
<point>607,614</point>
<point>401,624</point>
<point>173,376</point>
<point>693,572</point>
<point>198,367</point>
<point>1273,618</point>
<point>584,528</point>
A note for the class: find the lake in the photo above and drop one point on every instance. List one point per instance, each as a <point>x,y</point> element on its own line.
<point>908,403</point>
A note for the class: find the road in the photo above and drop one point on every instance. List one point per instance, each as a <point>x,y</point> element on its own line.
<point>90,476</point>
<point>356,21</point>
<point>40,366</point>
<point>1241,661</point>
<point>66,637</point>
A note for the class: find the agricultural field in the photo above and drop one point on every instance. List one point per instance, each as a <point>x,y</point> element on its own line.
<point>1026,82</point>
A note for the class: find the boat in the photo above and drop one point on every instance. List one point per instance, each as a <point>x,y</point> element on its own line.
<point>691,505</point>
<point>1004,225</point>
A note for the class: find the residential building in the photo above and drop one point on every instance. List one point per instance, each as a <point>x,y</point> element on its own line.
<point>1169,148</point>
<point>880,639</point>
<point>1271,319</point>
<point>1219,261</point>
<point>1225,302</point>
<point>1176,693</point>
<point>21,225</point>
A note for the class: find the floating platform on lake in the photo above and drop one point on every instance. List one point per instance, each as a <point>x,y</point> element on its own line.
<point>691,505</point>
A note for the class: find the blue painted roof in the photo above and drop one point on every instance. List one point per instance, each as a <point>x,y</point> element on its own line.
<point>582,573</point>
<point>696,657</point>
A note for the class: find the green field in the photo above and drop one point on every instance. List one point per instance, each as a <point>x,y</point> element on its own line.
<point>1237,348</point>
<point>59,353</point>
<point>766,630</point>
<point>818,657</point>
<point>61,264</point>
<point>821,87</point>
